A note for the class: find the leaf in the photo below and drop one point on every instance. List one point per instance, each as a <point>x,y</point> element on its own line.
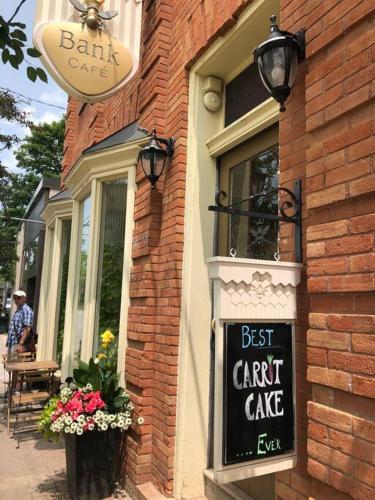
<point>269,358</point>
<point>42,74</point>
<point>19,25</point>
<point>13,61</point>
<point>19,55</point>
<point>33,52</point>
<point>81,377</point>
<point>119,402</point>
<point>96,382</point>
<point>92,367</point>
<point>5,55</point>
<point>31,73</point>
<point>83,366</point>
<point>19,34</point>
<point>17,44</point>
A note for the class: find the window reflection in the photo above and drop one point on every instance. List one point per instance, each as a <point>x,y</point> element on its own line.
<point>85,237</point>
<point>64,267</point>
<point>111,256</point>
<point>249,237</point>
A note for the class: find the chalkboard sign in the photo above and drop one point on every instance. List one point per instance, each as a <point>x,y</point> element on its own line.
<point>258,391</point>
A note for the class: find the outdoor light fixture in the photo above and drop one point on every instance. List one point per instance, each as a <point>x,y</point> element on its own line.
<point>153,157</point>
<point>278,59</point>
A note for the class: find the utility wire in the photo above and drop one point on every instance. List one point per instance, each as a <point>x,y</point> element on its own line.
<point>32,99</point>
<point>22,220</point>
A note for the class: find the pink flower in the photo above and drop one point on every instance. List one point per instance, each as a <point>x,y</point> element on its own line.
<point>95,402</point>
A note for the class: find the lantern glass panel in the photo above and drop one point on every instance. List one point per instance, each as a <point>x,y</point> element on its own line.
<point>274,66</point>
<point>153,161</point>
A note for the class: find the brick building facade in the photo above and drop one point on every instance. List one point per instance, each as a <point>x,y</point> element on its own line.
<point>326,139</point>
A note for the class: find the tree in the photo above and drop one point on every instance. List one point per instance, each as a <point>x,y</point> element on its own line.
<point>13,45</point>
<point>11,112</point>
<point>39,155</point>
<point>41,152</point>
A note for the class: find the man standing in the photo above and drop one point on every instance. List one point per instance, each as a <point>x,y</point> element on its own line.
<point>20,328</point>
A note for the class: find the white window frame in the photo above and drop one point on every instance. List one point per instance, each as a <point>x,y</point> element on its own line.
<point>88,176</point>
<point>54,214</point>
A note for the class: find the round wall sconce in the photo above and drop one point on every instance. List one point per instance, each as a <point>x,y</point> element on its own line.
<point>277,59</point>
<point>153,157</point>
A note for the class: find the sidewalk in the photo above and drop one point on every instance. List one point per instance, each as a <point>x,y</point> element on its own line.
<point>37,468</point>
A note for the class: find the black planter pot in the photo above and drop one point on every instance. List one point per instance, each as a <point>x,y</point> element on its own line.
<point>93,463</point>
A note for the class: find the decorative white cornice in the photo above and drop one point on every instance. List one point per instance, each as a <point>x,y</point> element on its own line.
<point>244,271</point>
<point>108,163</point>
<point>57,209</point>
<point>249,289</point>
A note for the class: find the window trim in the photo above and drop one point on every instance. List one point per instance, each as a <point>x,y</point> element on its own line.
<point>256,120</point>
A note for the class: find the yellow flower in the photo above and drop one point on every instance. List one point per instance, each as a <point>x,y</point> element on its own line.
<point>107,337</point>
<point>101,355</point>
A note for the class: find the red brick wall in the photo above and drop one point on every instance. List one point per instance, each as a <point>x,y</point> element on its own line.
<point>337,165</point>
<point>173,35</point>
<point>326,139</point>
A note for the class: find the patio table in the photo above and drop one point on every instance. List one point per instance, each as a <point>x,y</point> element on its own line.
<point>19,370</point>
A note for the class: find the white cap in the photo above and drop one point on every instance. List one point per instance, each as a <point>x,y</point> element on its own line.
<point>19,293</point>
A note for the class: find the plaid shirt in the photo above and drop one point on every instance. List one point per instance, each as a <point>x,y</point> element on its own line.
<point>22,317</point>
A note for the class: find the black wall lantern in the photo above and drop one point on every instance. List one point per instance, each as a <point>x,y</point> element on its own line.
<point>153,157</point>
<point>277,59</point>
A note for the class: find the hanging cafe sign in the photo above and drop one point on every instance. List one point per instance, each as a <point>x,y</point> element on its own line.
<point>79,47</point>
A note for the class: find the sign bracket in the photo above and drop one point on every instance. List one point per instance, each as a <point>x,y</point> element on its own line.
<point>292,204</point>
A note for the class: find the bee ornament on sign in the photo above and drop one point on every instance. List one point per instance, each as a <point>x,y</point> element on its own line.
<point>91,15</point>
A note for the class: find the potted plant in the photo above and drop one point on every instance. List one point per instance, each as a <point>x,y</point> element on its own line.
<point>91,412</point>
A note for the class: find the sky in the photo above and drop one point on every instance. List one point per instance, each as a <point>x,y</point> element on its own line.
<point>17,81</point>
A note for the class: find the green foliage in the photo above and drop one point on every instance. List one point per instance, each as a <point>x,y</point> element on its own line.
<point>15,196</point>
<point>44,423</point>
<point>10,111</point>
<point>13,47</point>
<point>102,374</point>
<point>39,155</point>
<point>41,152</point>
<point>110,291</point>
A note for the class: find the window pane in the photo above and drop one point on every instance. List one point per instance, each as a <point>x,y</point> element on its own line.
<point>64,266</point>
<point>111,255</point>
<point>249,237</point>
<point>244,93</point>
<point>85,236</point>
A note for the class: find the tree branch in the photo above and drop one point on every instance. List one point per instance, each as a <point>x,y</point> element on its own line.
<point>16,11</point>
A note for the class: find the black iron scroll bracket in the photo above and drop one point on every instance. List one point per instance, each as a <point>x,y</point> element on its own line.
<point>291,205</point>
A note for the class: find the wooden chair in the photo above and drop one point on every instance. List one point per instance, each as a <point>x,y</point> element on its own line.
<point>6,358</point>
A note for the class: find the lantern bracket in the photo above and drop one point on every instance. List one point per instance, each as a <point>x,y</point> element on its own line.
<point>301,40</point>
<point>169,145</point>
<point>292,204</point>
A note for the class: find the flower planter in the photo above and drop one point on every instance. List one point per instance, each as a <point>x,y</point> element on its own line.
<point>93,463</point>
